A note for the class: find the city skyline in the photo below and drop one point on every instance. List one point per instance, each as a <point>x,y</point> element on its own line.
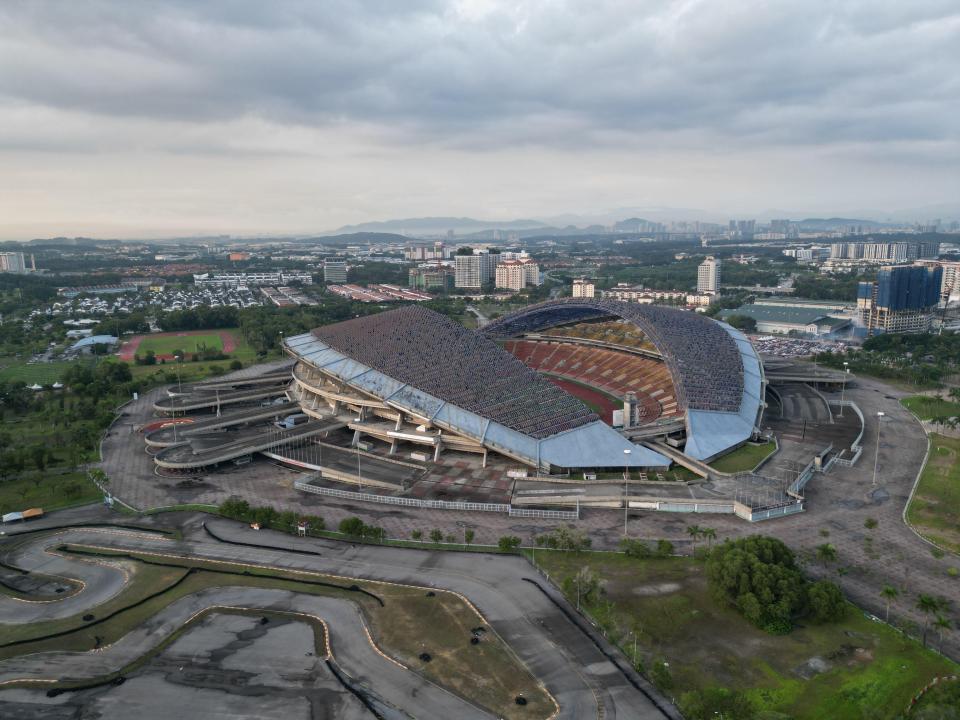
<point>230,118</point>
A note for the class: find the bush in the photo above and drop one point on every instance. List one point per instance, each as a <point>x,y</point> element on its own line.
<point>664,548</point>
<point>235,509</point>
<point>635,549</point>
<point>508,543</point>
<point>352,526</point>
<point>711,703</point>
<point>826,602</point>
<point>436,536</point>
<point>236,365</point>
<point>416,534</point>
<point>565,538</point>
<point>660,675</point>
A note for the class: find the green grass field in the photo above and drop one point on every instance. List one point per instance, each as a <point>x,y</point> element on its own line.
<point>43,373</point>
<point>743,458</point>
<point>168,344</point>
<point>927,407</point>
<point>853,669</point>
<point>933,510</point>
<point>53,491</point>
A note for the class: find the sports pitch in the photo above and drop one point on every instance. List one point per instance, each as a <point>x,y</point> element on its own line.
<point>167,344</point>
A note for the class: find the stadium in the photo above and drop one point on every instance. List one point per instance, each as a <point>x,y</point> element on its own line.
<point>529,386</point>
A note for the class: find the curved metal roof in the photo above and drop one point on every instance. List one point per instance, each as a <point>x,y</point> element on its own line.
<point>703,358</point>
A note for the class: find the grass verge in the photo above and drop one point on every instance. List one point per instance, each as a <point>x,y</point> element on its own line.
<point>927,407</point>
<point>49,490</point>
<point>744,458</point>
<point>848,670</point>
<point>933,509</point>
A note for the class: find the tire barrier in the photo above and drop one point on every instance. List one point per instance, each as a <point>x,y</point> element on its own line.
<point>580,625</point>
<point>92,623</point>
<point>259,546</point>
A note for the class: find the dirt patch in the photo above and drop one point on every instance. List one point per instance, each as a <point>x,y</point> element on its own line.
<point>664,588</point>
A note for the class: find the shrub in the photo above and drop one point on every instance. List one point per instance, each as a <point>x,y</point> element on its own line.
<point>826,602</point>
<point>664,548</point>
<point>508,543</point>
<point>635,549</point>
<point>436,536</point>
<point>235,508</point>
<point>352,526</point>
<point>660,675</point>
<point>416,534</point>
<point>711,703</point>
<point>236,365</point>
<point>870,523</point>
<point>565,538</point>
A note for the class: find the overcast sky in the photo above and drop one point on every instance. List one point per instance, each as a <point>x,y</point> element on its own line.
<point>157,118</point>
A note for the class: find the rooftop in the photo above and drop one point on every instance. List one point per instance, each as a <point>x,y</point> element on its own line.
<point>771,313</point>
<point>436,355</point>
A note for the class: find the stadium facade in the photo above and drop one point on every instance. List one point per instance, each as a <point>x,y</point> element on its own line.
<point>411,375</point>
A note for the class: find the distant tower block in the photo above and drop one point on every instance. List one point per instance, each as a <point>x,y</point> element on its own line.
<point>630,409</point>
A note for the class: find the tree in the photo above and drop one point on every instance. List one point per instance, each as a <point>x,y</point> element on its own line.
<point>889,594</point>
<point>508,543</point>
<point>928,605</point>
<point>742,322</point>
<point>710,534</point>
<point>664,548</point>
<point>38,453</point>
<point>941,624</point>
<point>436,536</point>
<point>826,553</point>
<point>826,601</point>
<point>759,576</point>
<point>468,536</point>
<point>416,535</point>
<point>694,531</point>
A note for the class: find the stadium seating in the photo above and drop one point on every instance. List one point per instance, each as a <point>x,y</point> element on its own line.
<point>441,357</point>
<point>609,371</point>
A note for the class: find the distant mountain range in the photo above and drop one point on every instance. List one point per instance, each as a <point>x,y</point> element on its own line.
<point>436,226</point>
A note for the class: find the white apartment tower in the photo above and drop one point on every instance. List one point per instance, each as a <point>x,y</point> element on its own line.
<point>12,262</point>
<point>583,288</point>
<point>474,271</point>
<point>708,275</point>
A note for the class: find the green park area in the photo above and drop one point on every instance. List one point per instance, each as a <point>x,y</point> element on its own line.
<point>406,622</point>
<point>935,507</point>
<point>744,458</point>
<point>698,646</point>
<point>30,373</point>
<point>48,490</point>
<point>169,343</point>
<point>928,407</point>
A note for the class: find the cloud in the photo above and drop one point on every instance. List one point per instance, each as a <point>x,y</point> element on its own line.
<point>382,83</point>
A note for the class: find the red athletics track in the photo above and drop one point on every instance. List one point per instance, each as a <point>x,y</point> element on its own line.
<point>594,397</point>
<point>129,348</point>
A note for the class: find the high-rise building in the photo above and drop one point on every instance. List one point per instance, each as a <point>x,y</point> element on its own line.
<point>12,262</point>
<point>950,285</point>
<point>474,271</point>
<point>432,277</point>
<point>708,275</point>
<point>583,288</point>
<point>901,300</point>
<point>517,274</point>
<point>335,271</point>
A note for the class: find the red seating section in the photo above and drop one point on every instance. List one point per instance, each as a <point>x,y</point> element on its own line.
<point>610,371</point>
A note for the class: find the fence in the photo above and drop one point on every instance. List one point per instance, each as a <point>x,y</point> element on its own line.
<point>439,504</point>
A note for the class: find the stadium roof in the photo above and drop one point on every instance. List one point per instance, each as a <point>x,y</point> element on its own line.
<point>440,356</point>
<point>716,372</point>
<point>430,366</point>
<point>94,340</point>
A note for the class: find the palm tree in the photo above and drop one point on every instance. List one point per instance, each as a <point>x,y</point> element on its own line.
<point>826,553</point>
<point>710,534</point>
<point>890,594</point>
<point>694,531</point>
<point>941,624</point>
<point>928,605</point>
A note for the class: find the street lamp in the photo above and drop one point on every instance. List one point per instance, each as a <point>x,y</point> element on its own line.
<point>626,479</point>
<point>843,386</point>
<point>876,456</point>
<point>359,476</point>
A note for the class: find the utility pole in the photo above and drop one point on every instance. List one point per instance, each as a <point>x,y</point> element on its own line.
<point>626,480</point>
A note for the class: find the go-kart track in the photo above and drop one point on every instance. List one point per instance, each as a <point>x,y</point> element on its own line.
<point>213,400</point>
<point>176,431</point>
<point>579,670</point>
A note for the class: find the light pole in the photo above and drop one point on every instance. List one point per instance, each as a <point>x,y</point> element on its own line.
<point>359,476</point>
<point>843,386</point>
<point>626,479</point>
<point>876,456</point>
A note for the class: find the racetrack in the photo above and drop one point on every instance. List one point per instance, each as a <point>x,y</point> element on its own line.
<point>584,682</point>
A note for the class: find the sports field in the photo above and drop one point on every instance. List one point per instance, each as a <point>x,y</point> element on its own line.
<point>164,345</point>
